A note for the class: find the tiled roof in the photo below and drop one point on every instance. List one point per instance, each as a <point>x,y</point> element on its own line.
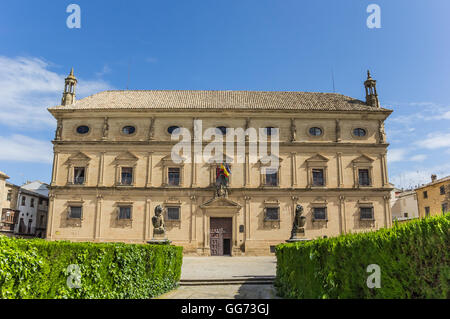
<point>238,100</point>
<point>444,179</point>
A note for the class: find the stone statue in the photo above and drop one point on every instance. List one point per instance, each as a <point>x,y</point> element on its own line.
<point>247,125</point>
<point>105,128</point>
<point>338,131</point>
<point>299,220</point>
<point>221,186</point>
<point>58,131</point>
<point>151,130</point>
<point>298,228</point>
<point>381,132</point>
<point>293,131</point>
<point>158,222</point>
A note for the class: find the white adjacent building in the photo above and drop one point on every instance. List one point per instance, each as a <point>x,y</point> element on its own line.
<point>33,206</point>
<point>404,205</point>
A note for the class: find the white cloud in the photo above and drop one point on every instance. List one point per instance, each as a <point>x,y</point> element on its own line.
<point>419,176</point>
<point>106,70</point>
<point>435,140</point>
<point>396,155</point>
<point>28,88</point>
<point>22,148</point>
<point>418,158</point>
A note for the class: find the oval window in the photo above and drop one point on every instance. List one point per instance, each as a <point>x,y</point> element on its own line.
<point>128,130</point>
<point>315,131</point>
<point>83,129</point>
<point>359,132</point>
<point>221,130</point>
<point>173,129</point>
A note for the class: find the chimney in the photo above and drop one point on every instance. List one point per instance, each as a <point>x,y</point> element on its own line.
<point>433,178</point>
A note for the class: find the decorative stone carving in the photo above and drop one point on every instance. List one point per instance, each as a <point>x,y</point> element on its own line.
<point>293,131</point>
<point>221,189</point>
<point>338,130</point>
<point>298,228</point>
<point>58,132</point>
<point>158,222</point>
<point>381,132</point>
<point>151,131</point>
<point>105,129</point>
<point>159,230</point>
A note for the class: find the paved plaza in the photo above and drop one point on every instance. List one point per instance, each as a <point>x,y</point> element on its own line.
<point>228,267</point>
<point>237,277</point>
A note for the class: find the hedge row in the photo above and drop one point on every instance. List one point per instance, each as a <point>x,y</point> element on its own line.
<point>414,262</point>
<point>40,269</point>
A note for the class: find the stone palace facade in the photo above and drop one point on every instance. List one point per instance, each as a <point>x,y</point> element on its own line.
<point>113,166</point>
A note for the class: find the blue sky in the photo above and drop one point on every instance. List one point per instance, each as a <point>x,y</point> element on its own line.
<point>245,45</point>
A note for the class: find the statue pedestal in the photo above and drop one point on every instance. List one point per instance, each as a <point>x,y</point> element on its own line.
<point>159,241</point>
<point>295,240</point>
<point>298,235</point>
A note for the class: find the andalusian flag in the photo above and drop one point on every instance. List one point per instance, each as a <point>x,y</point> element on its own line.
<point>223,170</point>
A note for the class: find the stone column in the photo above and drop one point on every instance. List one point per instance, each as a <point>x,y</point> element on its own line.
<point>147,220</point>
<point>339,170</point>
<point>387,211</point>
<point>51,216</point>
<point>55,167</point>
<point>384,176</point>
<point>247,218</point>
<point>149,169</point>
<point>192,227</point>
<point>294,169</point>
<point>69,174</point>
<point>98,218</point>
<point>342,218</point>
<point>101,169</point>
<point>294,206</point>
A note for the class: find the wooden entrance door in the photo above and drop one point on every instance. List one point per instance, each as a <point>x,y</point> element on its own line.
<point>221,235</point>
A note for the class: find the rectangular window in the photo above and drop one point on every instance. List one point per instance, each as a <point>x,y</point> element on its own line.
<point>75,212</point>
<point>318,177</point>
<point>442,190</point>
<point>366,213</point>
<point>127,176</point>
<point>78,175</point>
<point>320,213</point>
<point>364,179</point>
<point>125,212</point>
<point>23,200</point>
<point>427,211</point>
<point>405,215</point>
<point>32,202</point>
<point>272,213</point>
<point>444,208</point>
<point>173,213</point>
<point>8,197</point>
<point>271,178</point>
<point>174,176</point>
<point>425,194</point>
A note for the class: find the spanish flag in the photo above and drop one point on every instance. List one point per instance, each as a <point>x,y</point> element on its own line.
<point>226,169</point>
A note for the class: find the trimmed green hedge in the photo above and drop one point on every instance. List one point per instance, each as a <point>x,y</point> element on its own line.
<point>39,269</point>
<point>414,260</point>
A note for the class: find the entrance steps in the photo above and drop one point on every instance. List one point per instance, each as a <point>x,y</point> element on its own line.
<point>262,280</point>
